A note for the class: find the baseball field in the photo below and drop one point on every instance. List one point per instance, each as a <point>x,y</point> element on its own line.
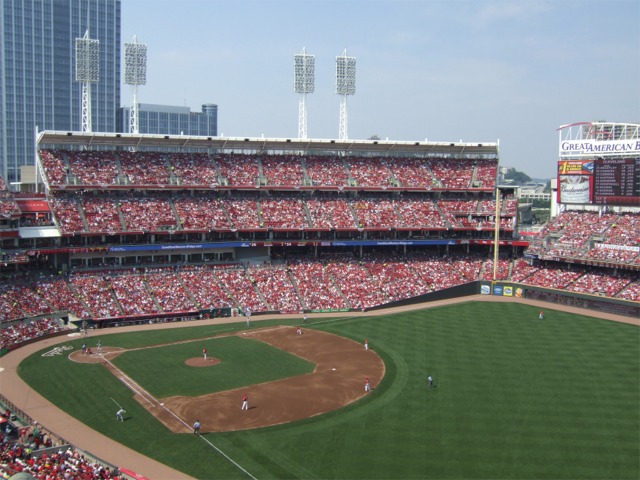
<point>514,396</point>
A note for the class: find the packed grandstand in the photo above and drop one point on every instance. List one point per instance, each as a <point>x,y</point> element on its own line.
<point>135,228</point>
<point>121,235</point>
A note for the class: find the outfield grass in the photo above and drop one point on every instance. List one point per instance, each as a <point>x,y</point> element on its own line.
<point>516,398</point>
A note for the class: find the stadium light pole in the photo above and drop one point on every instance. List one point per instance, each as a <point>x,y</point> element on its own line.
<point>303,82</point>
<point>345,86</point>
<point>87,72</point>
<point>135,73</point>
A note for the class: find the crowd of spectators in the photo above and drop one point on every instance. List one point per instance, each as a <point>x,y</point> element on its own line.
<point>329,282</point>
<point>282,170</point>
<point>357,285</point>
<point>102,169</point>
<point>207,292</point>
<point>149,214</point>
<point>329,211</point>
<point>95,291</point>
<point>276,286</point>
<point>486,171</point>
<point>607,237</point>
<point>283,211</point>
<point>238,169</point>
<point>458,177</point>
<point>8,205</point>
<point>553,275</point>
<point>9,208</point>
<point>375,212</point>
<point>93,168</point>
<point>241,290</point>
<point>169,291</point>
<point>15,333</point>
<point>601,283</point>
<point>412,172</point>
<point>195,169</point>
<point>326,171</point>
<point>18,300</point>
<point>414,212</point>
<point>202,212</point>
<point>315,285</point>
<point>145,168</point>
<point>101,214</point>
<point>369,172</point>
<point>28,451</point>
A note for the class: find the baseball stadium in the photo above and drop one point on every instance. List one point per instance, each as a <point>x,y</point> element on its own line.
<point>167,277</point>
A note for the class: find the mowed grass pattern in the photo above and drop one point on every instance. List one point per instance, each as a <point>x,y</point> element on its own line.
<point>515,398</point>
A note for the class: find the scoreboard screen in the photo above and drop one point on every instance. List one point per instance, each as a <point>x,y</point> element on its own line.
<point>616,181</point>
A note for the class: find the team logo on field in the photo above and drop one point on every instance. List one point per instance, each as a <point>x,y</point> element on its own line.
<point>57,351</point>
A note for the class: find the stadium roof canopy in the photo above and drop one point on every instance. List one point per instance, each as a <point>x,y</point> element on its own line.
<point>61,139</point>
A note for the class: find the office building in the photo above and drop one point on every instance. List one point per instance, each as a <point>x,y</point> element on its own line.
<point>172,120</point>
<point>38,86</point>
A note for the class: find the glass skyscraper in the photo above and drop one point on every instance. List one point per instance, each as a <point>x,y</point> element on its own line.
<point>37,72</point>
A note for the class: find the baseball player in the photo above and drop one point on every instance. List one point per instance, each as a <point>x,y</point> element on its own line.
<point>305,319</point>
<point>120,414</point>
<point>367,385</point>
<point>541,315</point>
<point>366,344</point>
<point>247,312</point>
<point>204,353</point>
<point>245,402</point>
<point>196,427</point>
<point>430,381</point>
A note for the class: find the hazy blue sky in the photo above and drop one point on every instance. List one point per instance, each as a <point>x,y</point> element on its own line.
<point>449,70</point>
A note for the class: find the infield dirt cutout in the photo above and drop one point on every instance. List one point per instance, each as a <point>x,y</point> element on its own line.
<point>338,379</point>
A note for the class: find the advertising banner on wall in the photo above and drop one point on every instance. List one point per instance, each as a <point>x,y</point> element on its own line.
<point>575,167</point>
<point>576,189</point>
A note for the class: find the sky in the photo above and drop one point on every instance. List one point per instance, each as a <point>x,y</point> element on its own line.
<point>475,71</point>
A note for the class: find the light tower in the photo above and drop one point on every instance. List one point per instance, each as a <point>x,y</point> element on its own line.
<point>135,73</point>
<point>303,83</point>
<point>345,85</point>
<point>87,72</point>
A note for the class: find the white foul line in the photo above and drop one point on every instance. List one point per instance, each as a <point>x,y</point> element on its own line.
<point>132,385</point>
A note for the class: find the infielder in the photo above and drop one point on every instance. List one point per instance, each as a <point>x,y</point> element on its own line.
<point>245,402</point>
<point>196,427</point>
<point>120,414</point>
<point>367,385</point>
<point>204,353</point>
<point>366,344</point>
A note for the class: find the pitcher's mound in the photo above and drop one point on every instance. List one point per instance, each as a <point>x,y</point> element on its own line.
<point>201,362</point>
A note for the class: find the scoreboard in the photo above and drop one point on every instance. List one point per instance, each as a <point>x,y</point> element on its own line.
<point>616,181</point>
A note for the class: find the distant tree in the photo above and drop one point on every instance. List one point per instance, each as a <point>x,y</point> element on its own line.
<point>516,177</point>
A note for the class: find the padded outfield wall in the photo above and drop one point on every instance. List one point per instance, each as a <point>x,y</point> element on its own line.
<point>517,290</point>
